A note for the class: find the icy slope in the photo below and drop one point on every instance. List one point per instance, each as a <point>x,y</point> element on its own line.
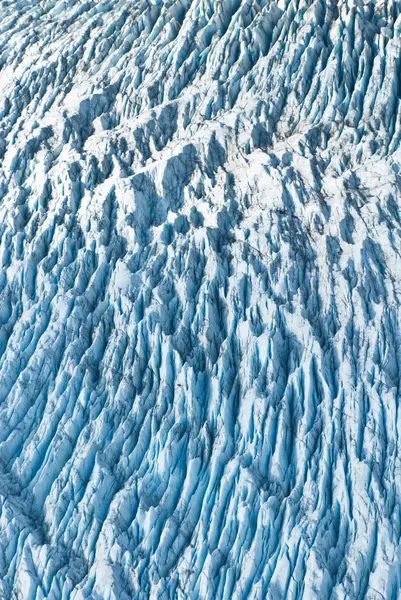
<point>200,284</point>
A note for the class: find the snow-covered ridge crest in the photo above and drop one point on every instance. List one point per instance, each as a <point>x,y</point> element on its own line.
<point>199,300</point>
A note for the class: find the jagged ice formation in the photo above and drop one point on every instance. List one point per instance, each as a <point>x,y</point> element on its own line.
<point>200,278</point>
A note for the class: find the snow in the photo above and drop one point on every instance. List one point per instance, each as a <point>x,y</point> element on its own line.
<point>200,299</point>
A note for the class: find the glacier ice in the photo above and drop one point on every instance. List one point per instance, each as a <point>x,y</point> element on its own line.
<point>200,350</point>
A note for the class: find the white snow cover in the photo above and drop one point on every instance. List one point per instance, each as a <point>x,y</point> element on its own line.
<point>200,285</point>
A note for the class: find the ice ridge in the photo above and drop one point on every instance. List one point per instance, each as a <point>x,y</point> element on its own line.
<point>200,350</point>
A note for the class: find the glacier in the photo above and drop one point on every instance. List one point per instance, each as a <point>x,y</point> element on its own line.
<point>200,346</point>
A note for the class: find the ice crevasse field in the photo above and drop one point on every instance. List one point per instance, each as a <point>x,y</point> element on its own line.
<point>200,286</point>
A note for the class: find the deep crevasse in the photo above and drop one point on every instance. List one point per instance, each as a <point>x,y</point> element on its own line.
<point>200,300</point>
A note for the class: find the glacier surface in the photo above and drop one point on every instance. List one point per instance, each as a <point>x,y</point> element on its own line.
<point>200,350</point>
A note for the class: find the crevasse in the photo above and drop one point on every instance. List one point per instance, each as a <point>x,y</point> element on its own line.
<point>200,299</point>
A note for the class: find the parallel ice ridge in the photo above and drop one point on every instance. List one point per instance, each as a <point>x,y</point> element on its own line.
<point>200,293</point>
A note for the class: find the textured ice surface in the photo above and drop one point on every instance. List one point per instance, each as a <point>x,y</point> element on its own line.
<point>200,276</point>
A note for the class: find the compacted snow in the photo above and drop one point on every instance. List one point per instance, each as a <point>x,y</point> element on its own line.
<point>200,285</point>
